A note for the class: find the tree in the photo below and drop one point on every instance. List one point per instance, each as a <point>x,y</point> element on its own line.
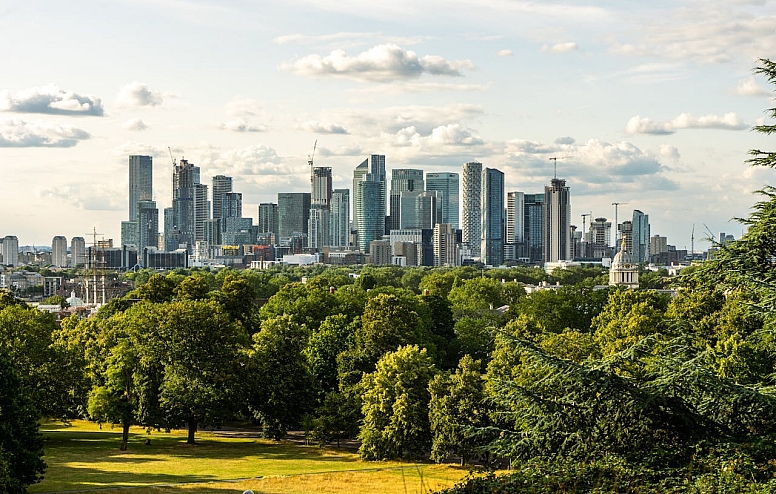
<point>456,408</point>
<point>21,445</point>
<point>332,337</point>
<point>395,406</point>
<point>281,386</point>
<point>338,418</point>
<point>629,316</point>
<point>157,289</point>
<point>199,348</point>
<point>56,300</point>
<point>192,288</point>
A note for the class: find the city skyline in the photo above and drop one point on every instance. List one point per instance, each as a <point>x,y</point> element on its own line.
<point>649,104</point>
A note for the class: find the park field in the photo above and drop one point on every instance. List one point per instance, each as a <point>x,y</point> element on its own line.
<point>81,457</point>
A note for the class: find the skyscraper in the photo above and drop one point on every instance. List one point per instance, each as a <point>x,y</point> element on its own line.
<point>599,238</point>
<point>533,228</point>
<point>77,251</point>
<point>201,210</point>
<point>221,185</point>
<point>515,218</point>
<point>472,204</point>
<point>403,180</point>
<point>369,200</point>
<point>492,246</point>
<point>318,229</point>
<point>446,187</point>
<point>59,251</point>
<point>10,250</point>
<point>147,225</point>
<point>141,180</point>
<point>268,218</point>
<point>187,207</point>
<point>339,218</point>
<point>444,245</point>
<point>557,221</point>
<point>293,214</point>
<point>640,237</point>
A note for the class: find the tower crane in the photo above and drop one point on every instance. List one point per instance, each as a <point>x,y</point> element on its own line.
<point>174,163</point>
<point>585,215</point>
<point>310,161</point>
<point>616,223</point>
<point>554,160</point>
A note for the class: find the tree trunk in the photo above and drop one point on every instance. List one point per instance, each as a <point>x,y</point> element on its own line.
<point>463,460</point>
<point>192,430</point>
<point>124,434</point>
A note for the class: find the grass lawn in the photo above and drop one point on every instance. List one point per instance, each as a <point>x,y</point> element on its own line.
<point>81,457</point>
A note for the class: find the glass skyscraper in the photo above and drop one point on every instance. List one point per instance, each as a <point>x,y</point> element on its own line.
<point>141,181</point>
<point>472,204</point>
<point>492,247</point>
<point>446,186</point>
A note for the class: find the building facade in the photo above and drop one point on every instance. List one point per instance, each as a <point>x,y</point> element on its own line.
<point>446,186</point>
<point>339,218</point>
<point>221,185</point>
<point>641,236</point>
<point>492,245</point>
<point>557,221</point>
<point>293,214</point>
<point>471,208</point>
<point>59,251</point>
<point>141,181</point>
<point>403,180</point>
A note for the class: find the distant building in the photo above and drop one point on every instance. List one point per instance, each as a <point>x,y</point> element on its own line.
<point>339,218</point>
<point>444,245</point>
<point>293,215</point>
<point>624,269</point>
<point>320,200</point>
<point>533,228</point>
<point>515,223</point>
<point>492,246</point>
<point>141,182</point>
<point>472,204</point>
<point>640,237</point>
<point>268,218</point>
<point>557,221</point>
<point>380,252</point>
<point>599,238</point>
<point>59,251</point>
<point>77,251</point>
<point>369,191</point>
<point>10,250</point>
<point>221,185</point>
<point>403,180</point>
<point>446,187</point>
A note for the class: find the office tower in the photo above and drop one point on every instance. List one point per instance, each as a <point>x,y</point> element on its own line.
<point>444,245</point>
<point>427,210</point>
<point>231,206</point>
<point>370,218</point>
<point>77,251</point>
<point>201,210</point>
<point>339,218</point>
<point>147,225</point>
<point>374,167</point>
<point>402,180</point>
<point>213,232</point>
<point>472,204</point>
<point>129,231</point>
<point>141,179</point>
<point>59,251</point>
<point>221,185</point>
<point>188,205</point>
<point>640,237</point>
<point>492,250</point>
<point>533,228</point>
<point>599,238</point>
<point>515,223</point>
<point>268,218</point>
<point>626,233</point>
<point>557,221</point>
<point>446,186</point>
<point>318,228</point>
<point>10,250</point>
<point>169,226</point>
<point>293,214</point>
<point>657,245</point>
<point>380,252</point>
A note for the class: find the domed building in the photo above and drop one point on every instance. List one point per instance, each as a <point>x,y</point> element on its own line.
<point>624,270</point>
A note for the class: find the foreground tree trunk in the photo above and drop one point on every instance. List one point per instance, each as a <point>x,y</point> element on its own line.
<point>124,434</point>
<point>192,430</point>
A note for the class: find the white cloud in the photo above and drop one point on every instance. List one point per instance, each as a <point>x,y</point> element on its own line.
<point>244,107</point>
<point>86,196</point>
<point>317,127</point>
<point>240,125</point>
<point>50,100</point>
<point>505,53</point>
<point>132,147</point>
<point>137,94</point>
<point>749,87</point>
<point>345,36</point>
<point>728,121</point>
<point>382,63</point>
<point>444,135</point>
<point>134,124</point>
<point>19,133</point>
<point>561,47</point>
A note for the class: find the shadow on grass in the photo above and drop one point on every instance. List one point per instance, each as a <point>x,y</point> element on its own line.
<point>63,479</point>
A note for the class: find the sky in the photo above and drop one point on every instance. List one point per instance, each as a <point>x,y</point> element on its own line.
<point>650,104</point>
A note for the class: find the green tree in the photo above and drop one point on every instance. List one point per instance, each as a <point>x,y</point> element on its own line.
<point>192,288</point>
<point>456,409</point>
<point>200,349</point>
<point>332,337</point>
<point>56,300</point>
<point>21,445</point>
<point>157,289</point>
<point>395,406</point>
<point>629,316</point>
<point>281,385</point>
<point>338,418</point>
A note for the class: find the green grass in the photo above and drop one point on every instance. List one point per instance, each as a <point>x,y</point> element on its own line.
<point>81,457</point>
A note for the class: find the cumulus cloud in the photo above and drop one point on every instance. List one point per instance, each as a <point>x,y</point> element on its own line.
<point>341,151</point>
<point>728,121</point>
<point>50,100</point>
<point>322,127</point>
<point>86,196</point>
<point>382,63</point>
<point>134,124</point>
<point>505,53</point>
<point>749,87</point>
<point>444,135</point>
<point>240,125</point>
<point>244,107</point>
<point>561,47</point>
<point>19,133</point>
<point>137,94</point>
<point>565,140</point>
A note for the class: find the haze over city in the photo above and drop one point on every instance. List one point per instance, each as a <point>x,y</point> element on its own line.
<point>649,104</point>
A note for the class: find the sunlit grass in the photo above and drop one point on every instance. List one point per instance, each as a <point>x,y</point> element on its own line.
<point>83,457</point>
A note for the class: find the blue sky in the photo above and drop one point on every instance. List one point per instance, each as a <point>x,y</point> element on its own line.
<point>649,103</point>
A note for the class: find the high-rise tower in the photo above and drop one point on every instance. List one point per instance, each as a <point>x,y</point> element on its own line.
<point>221,185</point>
<point>557,221</point>
<point>141,180</point>
<point>369,200</point>
<point>59,251</point>
<point>318,228</point>
<point>640,237</point>
<point>77,251</point>
<point>403,180</point>
<point>188,204</point>
<point>339,218</point>
<point>446,187</point>
<point>492,247</point>
<point>472,204</point>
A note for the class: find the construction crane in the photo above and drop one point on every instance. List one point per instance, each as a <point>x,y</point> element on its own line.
<point>692,241</point>
<point>554,160</point>
<point>585,215</point>
<point>310,161</point>
<point>94,268</point>
<point>616,224</point>
<point>174,163</point>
